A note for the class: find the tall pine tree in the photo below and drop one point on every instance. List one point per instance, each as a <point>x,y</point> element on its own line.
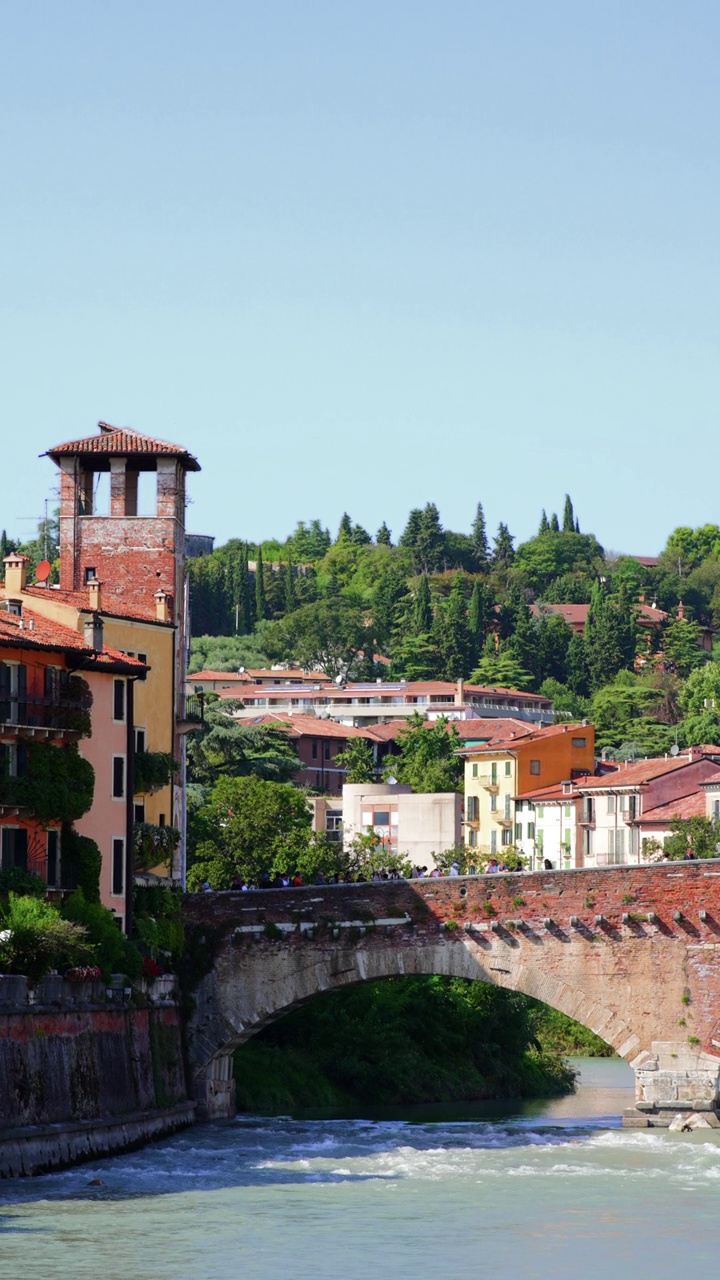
<point>503,551</point>
<point>382,537</point>
<point>480,540</point>
<point>422,610</point>
<point>260,599</point>
<point>544,523</point>
<point>453,633</point>
<point>568,516</point>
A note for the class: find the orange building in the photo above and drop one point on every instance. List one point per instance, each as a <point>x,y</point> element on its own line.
<point>497,773</point>
<point>64,693</point>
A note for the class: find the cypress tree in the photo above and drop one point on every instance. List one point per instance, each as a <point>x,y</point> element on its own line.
<point>422,611</point>
<point>480,541</point>
<point>260,599</point>
<point>577,673</point>
<point>246,599</point>
<point>568,516</point>
<point>289,586</point>
<point>430,540</point>
<point>478,618</point>
<point>544,525</point>
<point>409,535</point>
<point>554,524</point>
<point>382,536</point>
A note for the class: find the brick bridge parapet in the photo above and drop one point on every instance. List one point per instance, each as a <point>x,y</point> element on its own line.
<point>633,953</point>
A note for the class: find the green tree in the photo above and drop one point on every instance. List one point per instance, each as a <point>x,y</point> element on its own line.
<point>326,636</point>
<point>453,633</point>
<point>609,637</point>
<point>500,670</point>
<point>681,649</point>
<point>261,611</point>
<point>479,615</point>
<point>228,747</point>
<point>254,826</point>
<point>383,536</point>
<point>576,665</point>
<point>544,524</point>
<point>387,602</point>
<point>554,523</point>
<point>568,516</point>
<point>357,761</point>
<point>480,540</point>
<point>430,540</point>
<point>422,611</point>
<point>345,529</point>
<point>309,543</point>
<point>427,759</point>
<point>700,835</point>
<point>417,657</point>
<point>627,710</point>
<point>503,550</point>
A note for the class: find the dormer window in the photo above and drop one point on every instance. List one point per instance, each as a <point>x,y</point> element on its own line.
<point>15,608</point>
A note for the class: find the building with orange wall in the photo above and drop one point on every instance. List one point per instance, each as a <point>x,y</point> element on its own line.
<point>496,774</point>
<point>63,689</point>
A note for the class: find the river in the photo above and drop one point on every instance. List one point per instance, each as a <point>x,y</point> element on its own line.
<point>547,1189</point>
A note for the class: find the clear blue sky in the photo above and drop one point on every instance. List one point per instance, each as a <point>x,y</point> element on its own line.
<point>360,256</point>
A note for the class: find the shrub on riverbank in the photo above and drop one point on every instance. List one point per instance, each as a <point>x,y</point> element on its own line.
<point>398,1042</point>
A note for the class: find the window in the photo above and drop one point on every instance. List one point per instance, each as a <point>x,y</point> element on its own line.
<point>139,811</point>
<point>142,657</point>
<point>579,742</point>
<point>118,777</point>
<point>13,850</point>
<point>118,700</point>
<point>506,837</point>
<point>161,820</point>
<point>474,771</point>
<point>493,774</point>
<point>53,860</point>
<point>508,804</point>
<point>493,841</point>
<point>535,766</point>
<point>334,825</point>
<point>541,811</point>
<point>326,752</point>
<point>531,830</point>
<point>716,810</point>
<point>634,842</point>
<point>118,868</point>
<point>314,749</point>
<point>472,837</point>
<point>587,809</point>
<point>568,810</point>
<point>90,574</point>
<point>381,818</point>
<point>140,740</point>
<point>493,803</point>
<point>610,804</point>
<point>568,840</point>
<point>508,768</point>
<point>540,841</point>
<point>473,808</point>
<point>518,831</point>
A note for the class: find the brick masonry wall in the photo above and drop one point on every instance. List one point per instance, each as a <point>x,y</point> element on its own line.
<point>83,1065</point>
<point>583,941</point>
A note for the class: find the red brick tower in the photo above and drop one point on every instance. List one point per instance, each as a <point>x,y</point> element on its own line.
<point>139,559</point>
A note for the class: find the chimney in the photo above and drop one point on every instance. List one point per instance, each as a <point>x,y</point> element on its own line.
<point>95,592</point>
<point>460,693</point>
<point>162,605</point>
<point>94,632</point>
<point>681,610</point>
<point>15,573</point>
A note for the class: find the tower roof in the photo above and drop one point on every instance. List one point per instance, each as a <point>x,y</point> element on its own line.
<point>122,442</point>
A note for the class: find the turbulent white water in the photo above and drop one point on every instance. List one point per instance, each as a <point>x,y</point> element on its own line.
<point>552,1190</point>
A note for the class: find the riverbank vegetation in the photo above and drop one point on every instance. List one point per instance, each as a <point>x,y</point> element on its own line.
<point>404,1041</point>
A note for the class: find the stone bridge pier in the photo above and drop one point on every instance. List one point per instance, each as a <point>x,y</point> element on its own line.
<point>633,953</point>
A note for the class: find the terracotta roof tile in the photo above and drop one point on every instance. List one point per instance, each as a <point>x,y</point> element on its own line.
<point>534,735</point>
<point>79,600</point>
<point>37,632</point>
<point>690,806</point>
<point>121,442</point>
<point>645,770</point>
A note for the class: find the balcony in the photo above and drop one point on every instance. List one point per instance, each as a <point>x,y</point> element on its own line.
<point>489,783</point>
<point>192,715</point>
<point>65,713</point>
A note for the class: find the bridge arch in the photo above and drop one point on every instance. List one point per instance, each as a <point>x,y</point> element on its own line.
<point>633,981</point>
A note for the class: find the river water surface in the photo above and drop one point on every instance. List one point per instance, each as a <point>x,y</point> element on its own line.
<point>549,1189</point>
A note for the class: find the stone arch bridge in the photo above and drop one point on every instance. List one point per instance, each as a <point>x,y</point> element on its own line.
<point>633,953</point>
